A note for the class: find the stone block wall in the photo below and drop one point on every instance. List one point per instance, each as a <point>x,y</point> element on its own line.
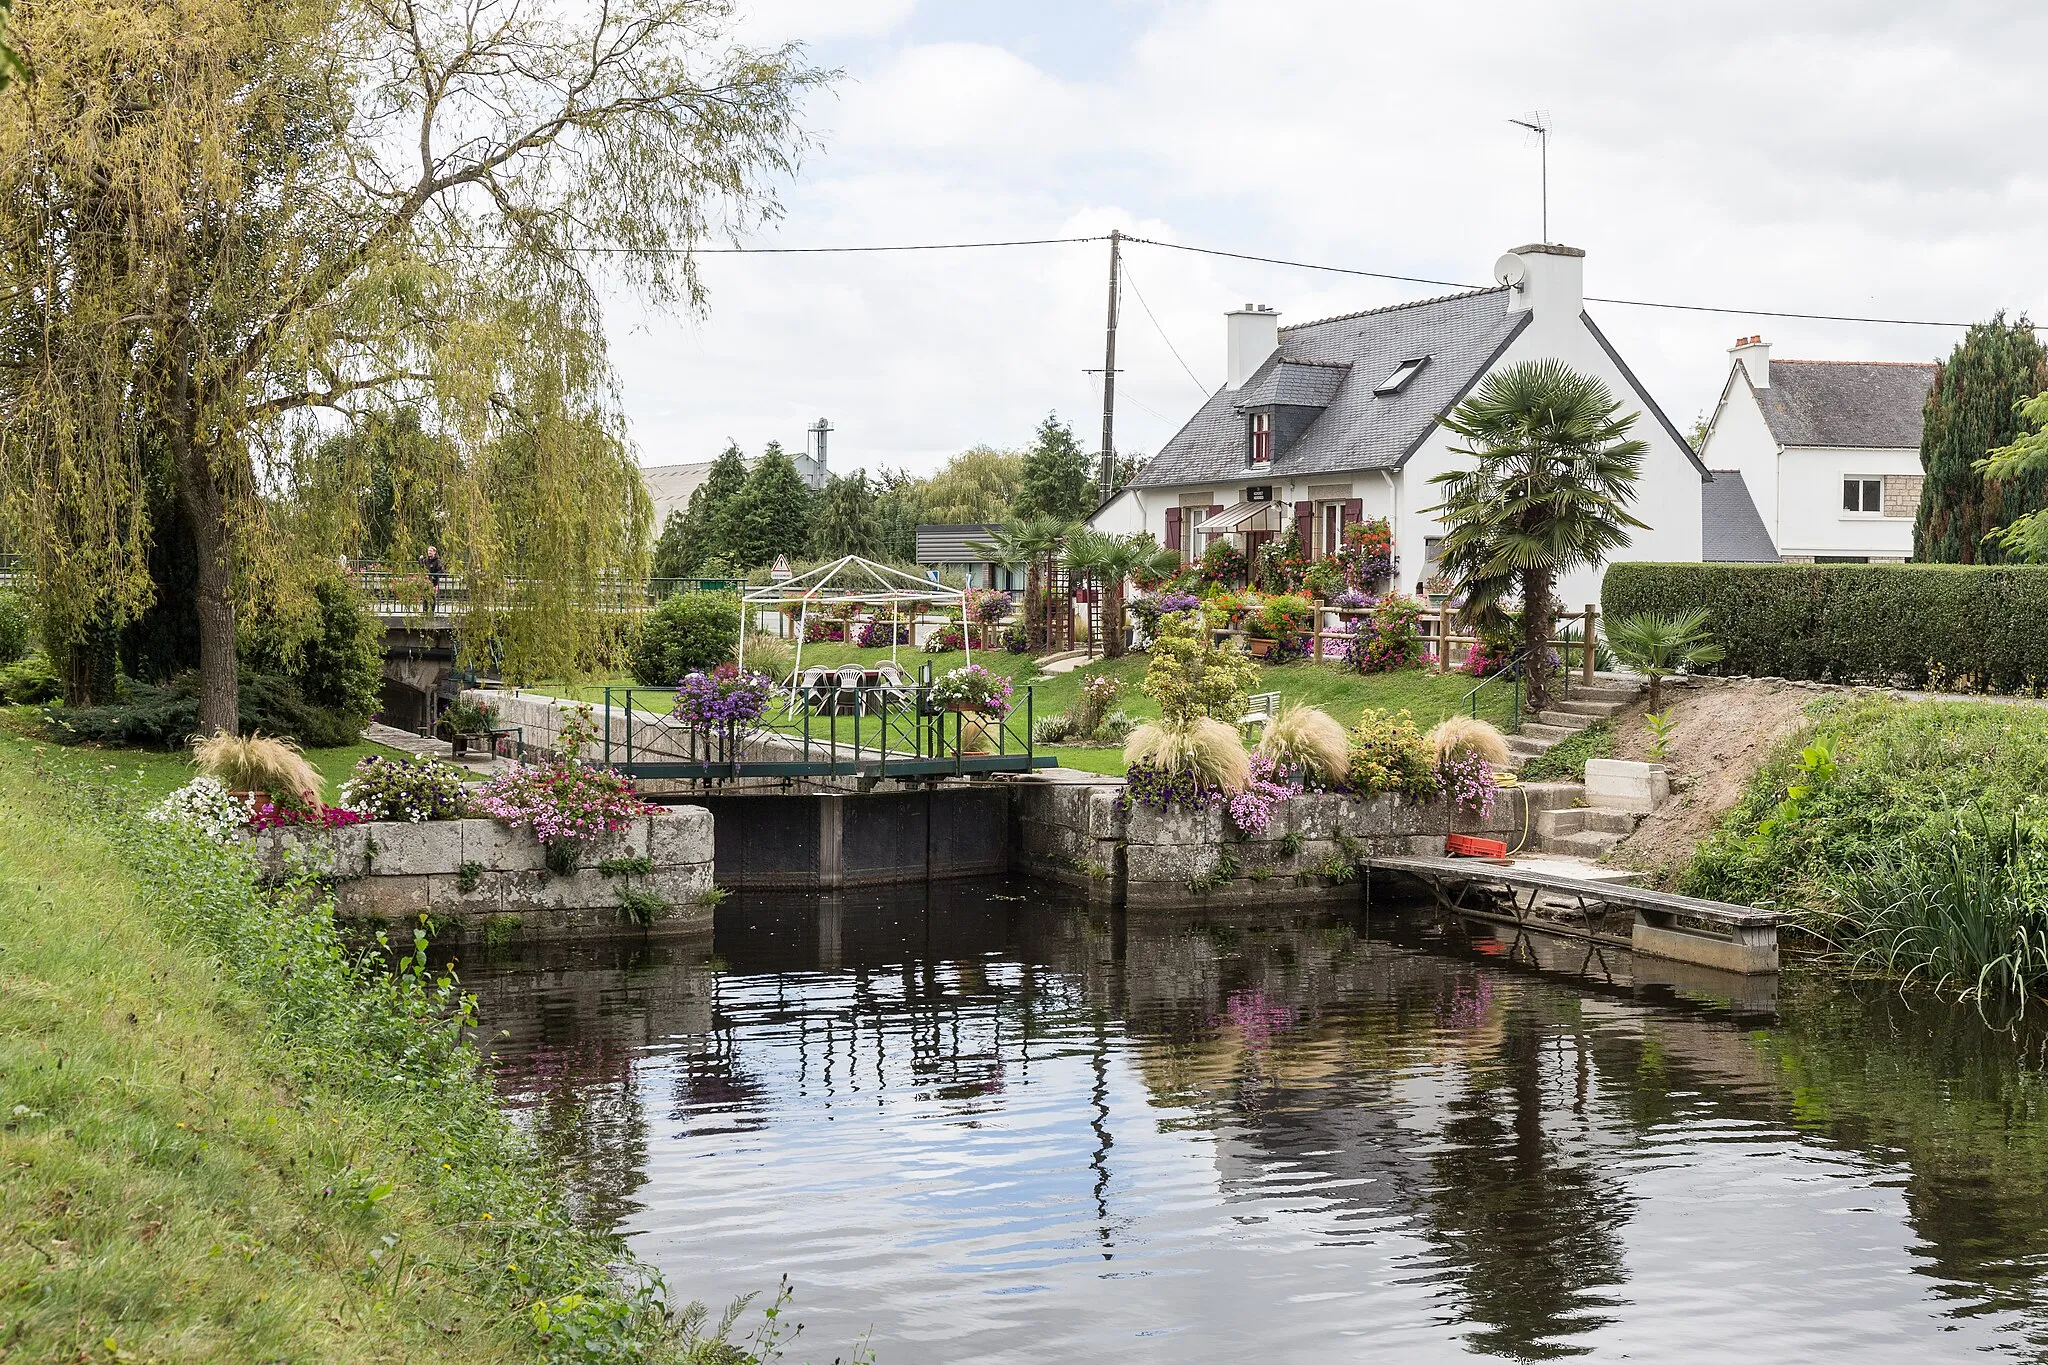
<point>390,870</point>
<point>1076,833</point>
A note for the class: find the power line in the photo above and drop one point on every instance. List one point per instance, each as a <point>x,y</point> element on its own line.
<point>1590,298</point>
<point>1132,280</point>
<point>824,250</point>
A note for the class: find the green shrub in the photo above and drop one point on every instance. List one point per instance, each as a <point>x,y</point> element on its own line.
<point>339,665</point>
<point>689,631</point>
<point>1966,627</point>
<point>30,682</point>
<point>14,628</point>
<point>167,717</point>
<point>1388,754</point>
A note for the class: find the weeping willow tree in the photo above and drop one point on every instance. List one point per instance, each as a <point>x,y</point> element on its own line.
<point>222,219</point>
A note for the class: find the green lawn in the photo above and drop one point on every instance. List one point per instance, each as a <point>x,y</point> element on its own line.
<point>1429,697</point>
<point>157,772</point>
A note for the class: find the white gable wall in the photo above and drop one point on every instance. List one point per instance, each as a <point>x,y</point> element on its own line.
<point>1741,440</point>
<point>1667,494</point>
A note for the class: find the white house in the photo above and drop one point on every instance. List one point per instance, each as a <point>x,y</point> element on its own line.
<point>1828,449</point>
<point>1323,423</point>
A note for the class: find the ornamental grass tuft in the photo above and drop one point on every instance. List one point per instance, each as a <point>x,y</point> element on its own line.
<point>1467,734</point>
<point>259,763</point>
<point>1212,752</point>
<point>1307,740</point>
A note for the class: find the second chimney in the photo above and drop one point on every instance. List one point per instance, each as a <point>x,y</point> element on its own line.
<point>1251,333</point>
<point>1755,355</point>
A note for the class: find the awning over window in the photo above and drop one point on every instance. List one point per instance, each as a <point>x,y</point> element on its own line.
<point>1240,516</point>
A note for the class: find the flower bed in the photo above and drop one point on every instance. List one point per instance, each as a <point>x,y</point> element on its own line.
<point>408,788</point>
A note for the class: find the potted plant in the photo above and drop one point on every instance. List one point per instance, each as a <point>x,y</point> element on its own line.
<point>975,690</point>
<point>464,720</point>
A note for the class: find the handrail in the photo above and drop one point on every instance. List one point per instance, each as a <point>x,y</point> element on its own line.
<point>1512,668</point>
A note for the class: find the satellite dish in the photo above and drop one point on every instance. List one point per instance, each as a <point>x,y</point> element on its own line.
<point>1510,270</point>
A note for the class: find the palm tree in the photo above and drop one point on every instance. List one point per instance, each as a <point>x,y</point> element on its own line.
<point>1554,471</point>
<point>1112,560</point>
<point>1657,645</point>
<point>1033,542</point>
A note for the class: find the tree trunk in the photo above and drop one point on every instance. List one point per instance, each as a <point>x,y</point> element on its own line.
<point>219,701</point>
<point>1536,633</point>
<point>1656,692</point>
<point>1113,616</point>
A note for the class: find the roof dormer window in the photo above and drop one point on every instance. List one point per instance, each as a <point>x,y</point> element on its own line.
<point>1403,372</point>
<point>1260,454</point>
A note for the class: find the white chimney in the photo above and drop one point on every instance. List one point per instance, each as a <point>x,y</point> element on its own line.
<point>1251,333</point>
<point>1546,278</point>
<point>1755,355</point>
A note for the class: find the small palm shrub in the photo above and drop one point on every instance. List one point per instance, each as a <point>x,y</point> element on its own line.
<point>1388,754</point>
<point>1307,740</point>
<point>1208,750</point>
<point>1467,734</point>
<point>258,763</point>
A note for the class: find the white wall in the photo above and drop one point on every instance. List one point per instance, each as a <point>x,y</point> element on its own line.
<point>1812,521</point>
<point>1741,440</point>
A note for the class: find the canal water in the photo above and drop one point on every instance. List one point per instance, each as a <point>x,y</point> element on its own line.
<point>979,1124</point>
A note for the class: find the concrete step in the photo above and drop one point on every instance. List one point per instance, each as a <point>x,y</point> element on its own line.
<point>1587,844</point>
<point>1554,824</point>
<point>1594,710</point>
<point>1553,733</point>
<point>1527,747</point>
<point>1565,720</point>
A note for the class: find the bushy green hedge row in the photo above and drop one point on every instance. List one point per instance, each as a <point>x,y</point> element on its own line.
<point>1957,627</point>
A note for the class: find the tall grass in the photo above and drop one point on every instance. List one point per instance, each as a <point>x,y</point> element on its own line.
<point>1467,734</point>
<point>1964,912</point>
<point>1307,739</point>
<point>259,763</point>
<point>1209,749</point>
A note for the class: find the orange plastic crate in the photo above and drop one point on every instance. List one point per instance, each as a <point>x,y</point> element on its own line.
<point>1470,846</point>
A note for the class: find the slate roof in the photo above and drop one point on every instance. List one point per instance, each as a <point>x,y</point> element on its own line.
<point>1851,403</point>
<point>1731,531</point>
<point>952,543</point>
<point>1358,429</point>
<point>1292,383</point>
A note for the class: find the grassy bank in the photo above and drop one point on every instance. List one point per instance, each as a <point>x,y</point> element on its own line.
<point>228,1136</point>
<point>1909,837</point>
<point>1340,691</point>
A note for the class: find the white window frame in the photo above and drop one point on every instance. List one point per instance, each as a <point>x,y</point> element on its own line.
<point>1864,482</point>
<point>1261,425</point>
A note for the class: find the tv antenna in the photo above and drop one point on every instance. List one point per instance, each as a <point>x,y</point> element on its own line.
<point>1539,124</point>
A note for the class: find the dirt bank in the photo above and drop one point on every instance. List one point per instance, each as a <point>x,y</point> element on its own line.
<point>1723,732</point>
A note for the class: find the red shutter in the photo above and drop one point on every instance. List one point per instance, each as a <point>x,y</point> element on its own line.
<point>1173,528</point>
<point>1354,510</point>
<point>1305,526</point>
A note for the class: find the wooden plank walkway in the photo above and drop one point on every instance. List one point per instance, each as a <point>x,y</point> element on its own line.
<point>1736,938</point>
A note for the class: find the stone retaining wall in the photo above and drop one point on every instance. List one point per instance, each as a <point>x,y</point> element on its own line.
<point>1076,833</point>
<point>391,870</point>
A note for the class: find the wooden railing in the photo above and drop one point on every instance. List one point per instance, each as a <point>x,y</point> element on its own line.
<point>1444,647</point>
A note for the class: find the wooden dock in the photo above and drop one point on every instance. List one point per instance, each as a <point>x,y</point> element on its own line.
<point>1732,938</point>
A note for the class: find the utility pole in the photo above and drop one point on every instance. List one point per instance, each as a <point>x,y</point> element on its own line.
<point>1539,124</point>
<point>1108,478</point>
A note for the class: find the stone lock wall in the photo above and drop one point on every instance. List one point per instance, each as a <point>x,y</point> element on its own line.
<point>389,870</point>
<point>1075,833</point>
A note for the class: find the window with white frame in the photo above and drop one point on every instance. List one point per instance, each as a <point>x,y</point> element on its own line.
<point>1261,452</point>
<point>1863,497</point>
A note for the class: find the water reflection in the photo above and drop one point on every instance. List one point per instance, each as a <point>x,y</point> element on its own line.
<point>990,1126</point>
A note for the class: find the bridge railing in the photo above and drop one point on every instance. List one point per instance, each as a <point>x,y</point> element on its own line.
<point>390,591</point>
<point>823,730</point>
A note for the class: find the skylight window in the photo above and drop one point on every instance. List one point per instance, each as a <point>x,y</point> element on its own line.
<point>1403,372</point>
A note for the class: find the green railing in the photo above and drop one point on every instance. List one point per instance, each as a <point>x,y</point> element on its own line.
<point>822,730</point>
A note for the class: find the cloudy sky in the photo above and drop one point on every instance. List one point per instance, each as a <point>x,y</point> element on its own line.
<point>1834,156</point>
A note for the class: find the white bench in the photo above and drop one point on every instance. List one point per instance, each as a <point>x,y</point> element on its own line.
<point>1259,708</point>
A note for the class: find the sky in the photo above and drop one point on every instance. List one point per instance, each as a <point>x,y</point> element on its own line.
<point>1834,156</point>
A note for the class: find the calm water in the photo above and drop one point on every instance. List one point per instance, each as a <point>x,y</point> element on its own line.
<point>990,1128</point>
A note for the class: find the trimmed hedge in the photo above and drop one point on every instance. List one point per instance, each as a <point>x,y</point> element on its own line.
<point>1955,627</point>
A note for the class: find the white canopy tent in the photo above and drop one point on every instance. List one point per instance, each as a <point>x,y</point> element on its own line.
<point>853,579</point>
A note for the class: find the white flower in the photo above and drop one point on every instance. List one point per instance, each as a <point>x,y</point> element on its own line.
<point>204,804</point>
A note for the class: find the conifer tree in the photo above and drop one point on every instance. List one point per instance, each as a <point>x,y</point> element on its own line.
<point>1057,481</point>
<point>1971,411</point>
<point>846,523</point>
<point>700,532</point>
<point>771,516</point>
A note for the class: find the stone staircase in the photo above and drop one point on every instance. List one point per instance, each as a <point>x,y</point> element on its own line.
<point>1578,831</point>
<point>1577,709</point>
